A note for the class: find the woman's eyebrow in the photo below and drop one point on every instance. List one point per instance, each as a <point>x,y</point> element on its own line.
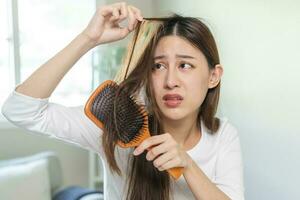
<point>177,56</point>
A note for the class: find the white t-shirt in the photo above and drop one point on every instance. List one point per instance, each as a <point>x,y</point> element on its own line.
<point>218,156</point>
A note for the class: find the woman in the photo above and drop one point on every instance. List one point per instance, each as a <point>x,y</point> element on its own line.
<point>180,72</point>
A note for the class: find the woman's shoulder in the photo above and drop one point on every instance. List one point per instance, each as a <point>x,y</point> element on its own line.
<point>227,131</point>
<point>227,127</point>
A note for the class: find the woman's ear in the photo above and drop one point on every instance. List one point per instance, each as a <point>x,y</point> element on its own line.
<point>215,76</point>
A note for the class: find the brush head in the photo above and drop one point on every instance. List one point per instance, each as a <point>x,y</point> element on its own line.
<point>119,113</point>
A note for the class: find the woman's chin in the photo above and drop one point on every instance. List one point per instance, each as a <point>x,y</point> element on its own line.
<point>172,115</point>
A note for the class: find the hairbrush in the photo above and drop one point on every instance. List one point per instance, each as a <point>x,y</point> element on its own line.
<point>131,118</point>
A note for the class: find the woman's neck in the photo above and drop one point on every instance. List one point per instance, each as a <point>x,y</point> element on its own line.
<point>185,131</point>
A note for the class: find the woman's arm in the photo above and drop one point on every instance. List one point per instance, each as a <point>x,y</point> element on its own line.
<point>229,170</point>
<point>45,79</point>
<point>200,184</point>
<point>103,28</point>
<point>40,117</point>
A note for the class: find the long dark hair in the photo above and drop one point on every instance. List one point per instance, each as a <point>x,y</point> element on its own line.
<point>144,181</point>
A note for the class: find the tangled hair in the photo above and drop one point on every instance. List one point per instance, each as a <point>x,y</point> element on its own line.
<point>144,181</point>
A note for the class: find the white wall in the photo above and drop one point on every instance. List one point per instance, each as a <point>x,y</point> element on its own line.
<point>259,47</point>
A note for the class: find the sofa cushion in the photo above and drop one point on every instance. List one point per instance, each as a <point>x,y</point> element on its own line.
<point>25,181</point>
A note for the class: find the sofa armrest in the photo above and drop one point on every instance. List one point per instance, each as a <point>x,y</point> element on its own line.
<point>53,163</point>
<point>78,193</point>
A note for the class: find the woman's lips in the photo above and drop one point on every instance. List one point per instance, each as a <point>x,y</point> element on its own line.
<point>172,103</point>
<point>172,100</point>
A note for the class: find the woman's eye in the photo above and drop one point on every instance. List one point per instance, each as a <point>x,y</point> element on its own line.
<point>157,66</point>
<point>185,65</point>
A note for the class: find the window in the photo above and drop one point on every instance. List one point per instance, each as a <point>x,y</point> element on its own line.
<point>45,28</point>
<point>5,65</point>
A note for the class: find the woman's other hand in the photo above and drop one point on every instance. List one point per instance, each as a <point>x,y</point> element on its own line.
<point>105,27</point>
<point>164,151</point>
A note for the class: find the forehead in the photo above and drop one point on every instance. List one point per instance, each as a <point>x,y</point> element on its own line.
<point>175,45</point>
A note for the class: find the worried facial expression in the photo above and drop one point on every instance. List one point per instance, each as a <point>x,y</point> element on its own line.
<point>180,78</point>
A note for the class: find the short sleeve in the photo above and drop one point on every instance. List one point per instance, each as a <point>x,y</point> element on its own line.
<point>40,116</point>
<point>229,166</point>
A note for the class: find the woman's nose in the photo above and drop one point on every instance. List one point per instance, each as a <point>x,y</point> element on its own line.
<point>171,79</point>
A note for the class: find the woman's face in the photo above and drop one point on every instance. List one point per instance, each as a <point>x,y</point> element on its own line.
<point>180,78</point>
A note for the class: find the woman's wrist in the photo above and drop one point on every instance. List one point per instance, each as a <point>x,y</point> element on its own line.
<point>87,42</point>
<point>189,163</point>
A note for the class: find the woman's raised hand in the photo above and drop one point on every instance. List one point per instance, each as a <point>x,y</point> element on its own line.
<point>104,27</point>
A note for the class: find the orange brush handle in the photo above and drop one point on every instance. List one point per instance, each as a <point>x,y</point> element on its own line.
<point>175,172</point>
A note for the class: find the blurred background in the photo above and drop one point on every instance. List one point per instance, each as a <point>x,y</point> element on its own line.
<point>258,44</point>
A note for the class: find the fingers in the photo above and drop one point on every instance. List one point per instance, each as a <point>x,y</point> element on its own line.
<point>169,164</point>
<point>134,17</point>
<point>164,158</point>
<point>149,142</point>
<point>106,11</point>
<point>131,19</point>
<point>120,11</point>
<point>164,151</point>
<point>113,12</point>
<point>137,13</point>
<point>124,11</point>
<point>156,151</point>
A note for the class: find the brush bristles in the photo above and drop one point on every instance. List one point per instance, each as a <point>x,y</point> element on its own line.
<point>102,106</point>
<point>131,119</point>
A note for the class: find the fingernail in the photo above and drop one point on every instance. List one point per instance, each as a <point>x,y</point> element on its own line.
<point>135,152</point>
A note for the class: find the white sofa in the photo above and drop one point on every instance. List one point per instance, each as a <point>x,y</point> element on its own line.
<point>39,177</point>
